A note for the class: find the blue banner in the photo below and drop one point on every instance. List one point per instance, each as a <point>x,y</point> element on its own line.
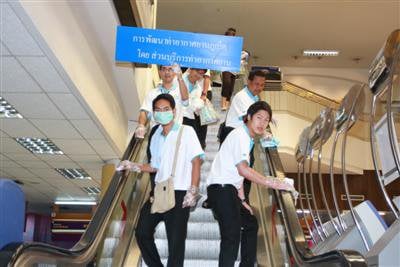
<point>196,50</point>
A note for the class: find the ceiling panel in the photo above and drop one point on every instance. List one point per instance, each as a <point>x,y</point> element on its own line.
<point>88,129</point>
<point>20,128</point>
<point>47,173</point>
<point>44,73</point>
<point>91,165</point>
<point>77,147</point>
<point>102,147</point>
<point>51,158</point>
<point>63,164</point>
<point>10,145</point>
<point>57,128</point>
<point>86,159</point>
<point>95,174</point>
<point>69,106</point>
<point>22,156</point>
<point>7,164</point>
<point>37,164</point>
<point>3,50</point>
<point>4,174</point>
<point>34,106</point>
<point>14,35</point>
<point>14,78</point>
<point>19,172</point>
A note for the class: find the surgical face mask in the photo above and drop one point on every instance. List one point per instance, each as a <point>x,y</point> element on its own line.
<point>163,117</point>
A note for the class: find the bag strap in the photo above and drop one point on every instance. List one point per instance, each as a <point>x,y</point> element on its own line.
<point>178,143</point>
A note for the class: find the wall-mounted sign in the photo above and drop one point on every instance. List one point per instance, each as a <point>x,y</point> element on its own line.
<point>196,50</point>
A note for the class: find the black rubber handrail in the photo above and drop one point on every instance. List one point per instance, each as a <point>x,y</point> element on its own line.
<point>84,248</point>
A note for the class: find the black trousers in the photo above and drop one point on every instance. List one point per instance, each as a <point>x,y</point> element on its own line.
<point>201,131</point>
<point>228,83</point>
<point>225,204</point>
<point>248,248</point>
<point>175,220</point>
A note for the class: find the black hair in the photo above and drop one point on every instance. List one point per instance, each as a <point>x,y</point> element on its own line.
<point>205,70</point>
<point>256,107</point>
<point>167,97</point>
<point>259,73</point>
<point>230,29</point>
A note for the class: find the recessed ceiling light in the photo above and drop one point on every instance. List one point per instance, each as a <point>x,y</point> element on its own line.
<point>74,174</point>
<point>39,145</point>
<point>8,111</point>
<point>91,190</point>
<point>62,202</point>
<point>320,53</point>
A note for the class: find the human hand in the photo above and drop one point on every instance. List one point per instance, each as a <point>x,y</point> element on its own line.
<point>177,69</point>
<point>280,184</point>
<point>128,165</point>
<point>191,197</point>
<point>140,131</point>
<point>248,207</point>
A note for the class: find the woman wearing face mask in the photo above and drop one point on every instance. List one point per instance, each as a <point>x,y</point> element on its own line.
<point>185,179</point>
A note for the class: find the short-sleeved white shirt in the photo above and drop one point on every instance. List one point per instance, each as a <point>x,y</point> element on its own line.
<point>201,81</point>
<point>194,96</point>
<point>163,150</point>
<point>174,91</point>
<point>239,105</point>
<point>235,149</point>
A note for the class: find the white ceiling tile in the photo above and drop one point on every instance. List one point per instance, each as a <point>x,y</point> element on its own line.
<point>44,73</point>
<point>107,158</point>
<point>3,157</point>
<point>102,147</point>
<point>64,164</point>
<point>14,34</point>
<point>51,158</point>
<point>19,172</point>
<point>22,156</point>
<point>88,129</point>
<point>47,173</point>
<point>91,165</point>
<point>3,50</point>
<point>6,164</point>
<point>95,174</point>
<point>69,105</point>
<point>33,164</point>
<point>86,159</point>
<point>10,145</point>
<point>4,174</point>
<point>19,128</point>
<point>70,146</point>
<point>34,106</point>
<point>15,79</point>
<point>56,128</point>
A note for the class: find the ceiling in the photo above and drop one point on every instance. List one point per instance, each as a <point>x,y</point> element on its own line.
<point>276,31</point>
<point>32,83</point>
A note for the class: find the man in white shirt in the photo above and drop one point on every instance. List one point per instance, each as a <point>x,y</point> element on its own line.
<point>186,183</point>
<point>177,89</point>
<point>225,186</point>
<point>190,113</point>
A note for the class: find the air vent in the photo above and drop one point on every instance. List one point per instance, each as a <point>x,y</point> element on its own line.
<point>7,110</point>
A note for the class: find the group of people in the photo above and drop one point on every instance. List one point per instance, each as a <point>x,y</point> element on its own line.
<point>176,151</point>
<point>172,108</point>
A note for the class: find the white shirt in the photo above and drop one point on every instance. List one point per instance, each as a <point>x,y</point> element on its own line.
<point>239,105</point>
<point>163,151</point>
<point>174,91</point>
<point>201,81</point>
<point>195,101</point>
<point>235,149</point>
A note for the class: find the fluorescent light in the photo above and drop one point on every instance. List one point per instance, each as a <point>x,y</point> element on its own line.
<point>320,53</point>
<point>39,145</point>
<point>74,174</point>
<point>92,190</point>
<point>63,202</point>
<point>7,110</point>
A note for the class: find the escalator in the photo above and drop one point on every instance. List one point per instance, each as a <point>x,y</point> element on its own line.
<point>109,239</point>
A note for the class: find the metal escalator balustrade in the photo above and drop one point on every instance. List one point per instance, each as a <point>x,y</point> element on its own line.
<point>86,251</point>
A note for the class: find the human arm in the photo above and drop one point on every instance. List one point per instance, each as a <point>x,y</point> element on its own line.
<point>182,86</point>
<point>192,195</point>
<point>135,167</point>
<point>140,130</point>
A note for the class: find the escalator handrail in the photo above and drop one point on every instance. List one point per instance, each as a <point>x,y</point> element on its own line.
<point>96,227</point>
<point>298,249</point>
